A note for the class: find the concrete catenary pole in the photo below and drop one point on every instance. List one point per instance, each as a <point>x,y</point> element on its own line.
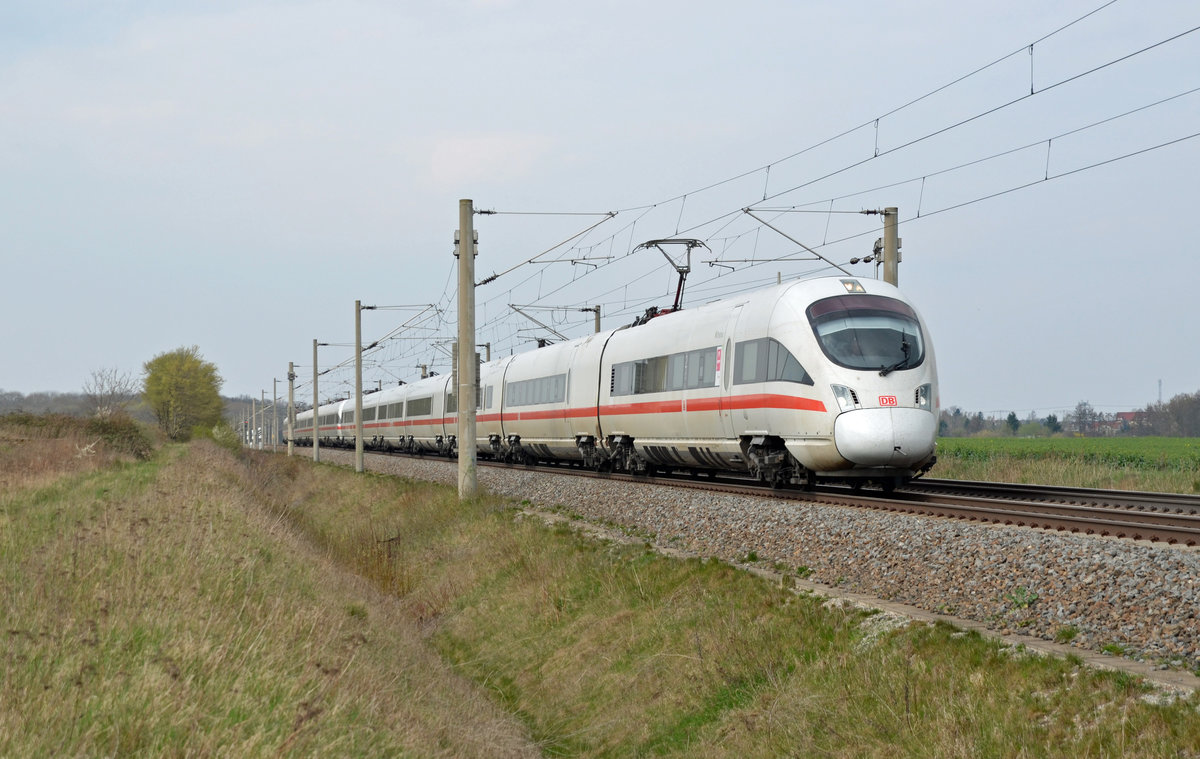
<point>358,422</point>
<point>316,417</point>
<point>253,423</point>
<point>467,364</point>
<point>274,414</point>
<point>891,246</point>
<point>262,421</point>
<point>291,417</point>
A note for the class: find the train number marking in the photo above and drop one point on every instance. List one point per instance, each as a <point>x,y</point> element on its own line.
<point>887,400</point>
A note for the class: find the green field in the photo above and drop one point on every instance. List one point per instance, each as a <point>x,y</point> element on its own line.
<point>206,602</point>
<point>1161,464</point>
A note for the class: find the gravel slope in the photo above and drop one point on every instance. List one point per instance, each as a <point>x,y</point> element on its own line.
<point>1098,593</point>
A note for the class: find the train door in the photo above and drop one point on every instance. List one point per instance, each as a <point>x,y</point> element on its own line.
<point>726,373</point>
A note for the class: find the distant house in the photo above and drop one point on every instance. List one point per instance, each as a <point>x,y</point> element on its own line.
<point>1123,423</point>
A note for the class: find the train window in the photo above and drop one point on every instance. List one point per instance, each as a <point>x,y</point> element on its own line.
<point>531,392</point>
<point>766,360</point>
<point>650,375</point>
<point>395,410</point>
<point>369,414</point>
<point>867,332</point>
<point>676,364</point>
<point>420,406</point>
<point>678,371</point>
<point>622,379</point>
<point>701,368</point>
<point>348,417</point>
<point>747,363</point>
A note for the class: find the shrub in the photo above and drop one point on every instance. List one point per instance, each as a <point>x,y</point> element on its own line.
<point>222,434</point>
<point>122,434</point>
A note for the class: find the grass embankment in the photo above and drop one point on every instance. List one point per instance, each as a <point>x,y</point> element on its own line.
<point>1156,464</point>
<point>200,603</point>
<point>154,609</point>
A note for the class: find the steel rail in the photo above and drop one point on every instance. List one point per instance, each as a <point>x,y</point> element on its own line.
<point>1181,503</point>
<point>1090,519</point>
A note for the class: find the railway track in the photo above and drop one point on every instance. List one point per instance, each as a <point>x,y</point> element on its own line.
<point>1133,515</point>
<point>1161,517</point>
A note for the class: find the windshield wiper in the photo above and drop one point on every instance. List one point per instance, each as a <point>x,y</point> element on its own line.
<point>906,348</point>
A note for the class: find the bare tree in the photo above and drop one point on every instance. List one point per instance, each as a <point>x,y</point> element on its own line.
<point>109,391</point>
<point>1085,418</point>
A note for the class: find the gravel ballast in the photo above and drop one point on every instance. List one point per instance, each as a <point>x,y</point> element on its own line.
<point>1102,594</point>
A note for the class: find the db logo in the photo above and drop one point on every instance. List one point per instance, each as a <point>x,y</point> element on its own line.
<point>887,400</point>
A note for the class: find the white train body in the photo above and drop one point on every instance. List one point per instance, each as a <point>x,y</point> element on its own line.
<point>832,378</point>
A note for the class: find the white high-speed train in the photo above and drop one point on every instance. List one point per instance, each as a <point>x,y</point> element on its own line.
<point>831,378</point>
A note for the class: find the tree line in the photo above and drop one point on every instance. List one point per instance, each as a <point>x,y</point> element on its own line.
<point>1178,417</point>
<point>178,390</point>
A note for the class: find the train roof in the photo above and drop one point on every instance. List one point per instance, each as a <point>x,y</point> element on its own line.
<point>799,292</point>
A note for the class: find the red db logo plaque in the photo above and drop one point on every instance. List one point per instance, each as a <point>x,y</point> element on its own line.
<point>887,400</point>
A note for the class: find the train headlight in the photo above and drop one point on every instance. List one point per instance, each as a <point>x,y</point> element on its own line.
<point>847,399</point>
<point>924,397</point>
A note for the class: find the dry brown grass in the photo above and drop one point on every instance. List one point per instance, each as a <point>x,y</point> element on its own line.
<point>31,457</point>
<point>159,609</point>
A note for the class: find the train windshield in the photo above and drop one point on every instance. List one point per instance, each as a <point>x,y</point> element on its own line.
<point>868,332</point>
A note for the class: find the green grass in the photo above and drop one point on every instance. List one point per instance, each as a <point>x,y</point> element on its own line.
<point>207,603</point>
<point>1146,463</point>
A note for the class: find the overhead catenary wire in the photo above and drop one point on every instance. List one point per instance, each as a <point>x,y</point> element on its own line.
<point>875,120</point>
<point>493,277</point>
<point>729,218</point>
<point>946,128</point>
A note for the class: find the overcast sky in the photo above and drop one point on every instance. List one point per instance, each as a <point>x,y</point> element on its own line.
<point>235,174</point>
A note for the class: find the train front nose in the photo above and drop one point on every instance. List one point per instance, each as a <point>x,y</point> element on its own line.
<point>891,437</point>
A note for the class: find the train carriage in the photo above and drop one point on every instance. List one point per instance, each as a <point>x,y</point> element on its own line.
<point>662,390</point>
<point>383,418</point>
<point>425,415</point>
<point>549,399</point>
